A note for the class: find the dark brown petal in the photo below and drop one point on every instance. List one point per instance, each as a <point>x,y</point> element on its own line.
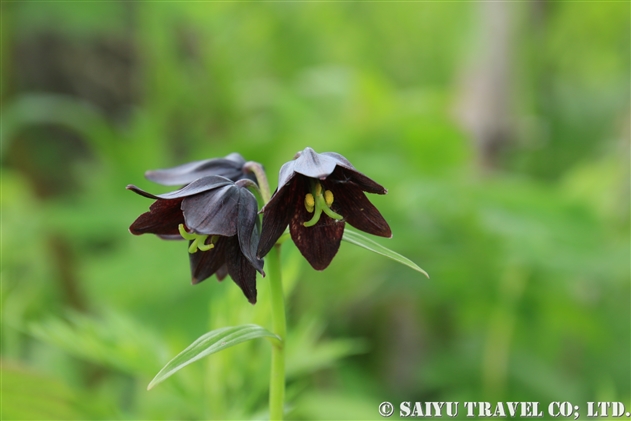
<point>205,263</point>
<point>240,269</point>
<point>318,244</point>
<point>278,212</point>
<point>344,176</point>
<point>214,211</point>
<point>350,202</point>
<point>222,272</point>
<point>230,167</point>
<point>163,218</point>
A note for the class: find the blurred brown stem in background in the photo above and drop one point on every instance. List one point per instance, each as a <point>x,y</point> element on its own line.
<point>484,107</point>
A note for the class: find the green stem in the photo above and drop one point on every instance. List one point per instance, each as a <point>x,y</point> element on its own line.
<point>277,378</point>
<point>261,178</point>
<point>279,325</point>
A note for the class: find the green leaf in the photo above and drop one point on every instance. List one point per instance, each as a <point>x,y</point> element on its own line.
<point>28,394</point>
<point>365,242</point>
<point>209,343</point>
<point>113,339</point>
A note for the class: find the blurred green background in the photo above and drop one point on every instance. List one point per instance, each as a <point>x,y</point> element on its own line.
<point>501,131</point>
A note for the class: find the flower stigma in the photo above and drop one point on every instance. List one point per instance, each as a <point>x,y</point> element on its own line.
<point>198,240</point>
<point>316,202</point>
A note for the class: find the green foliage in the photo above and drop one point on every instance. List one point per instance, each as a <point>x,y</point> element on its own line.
<point>55,399</point>
<point>209,343</point>
<point>365,242</point>
<point>529,297</point>
<point>113,341</point>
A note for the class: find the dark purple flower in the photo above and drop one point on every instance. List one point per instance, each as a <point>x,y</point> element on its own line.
<point>230,167</point>
<point>316,195</point>
<point>219,218</point>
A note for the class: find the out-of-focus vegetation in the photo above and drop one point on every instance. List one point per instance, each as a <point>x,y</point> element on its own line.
<point>500,129</point>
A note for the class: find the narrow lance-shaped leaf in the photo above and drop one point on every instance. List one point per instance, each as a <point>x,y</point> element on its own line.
<point>365,242</point>
<point>210,343</point>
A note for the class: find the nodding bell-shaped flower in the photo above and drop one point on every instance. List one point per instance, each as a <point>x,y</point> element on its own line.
<point>231,167</point>
<point>219,219</point>
<point>316,195</point>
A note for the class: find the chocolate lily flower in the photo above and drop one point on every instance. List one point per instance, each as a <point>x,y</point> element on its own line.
<point>219,218</point>
<point>230,167</point>
<point>316,195</point>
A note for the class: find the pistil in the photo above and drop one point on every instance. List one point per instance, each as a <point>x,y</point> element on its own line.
<point>198,240</point>
<point>317,202</point>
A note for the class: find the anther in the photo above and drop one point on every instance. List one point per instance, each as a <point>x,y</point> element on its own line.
<point>328,197</point>
<point>317,203</point>
<point>309,202</point>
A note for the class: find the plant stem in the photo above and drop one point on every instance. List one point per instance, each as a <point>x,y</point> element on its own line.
<point>261,178</point>
<point>277,377</point>
<point>279,325</point>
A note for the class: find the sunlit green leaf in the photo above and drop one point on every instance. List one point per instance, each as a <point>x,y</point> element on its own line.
<point>365,242</point>
<point>209,343</point>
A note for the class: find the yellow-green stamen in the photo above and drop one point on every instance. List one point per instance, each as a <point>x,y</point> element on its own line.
<point>328,197</point>
<point>198,240</point>
<point>316,203</point>
<point>309,202</point>
<point>317,189</point>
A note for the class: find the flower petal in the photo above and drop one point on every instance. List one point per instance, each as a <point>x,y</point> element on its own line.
<point>163,218</point>
<point>171,236</point>
<point>214,211</point>
<point>341,160</point>
<point>357,210</point>
<point>314,165</point>
<point>222,272</point>
<point>230,167</point>
<point>247,229</point>
<point>344,175</point>
<point>318,244</point>
<point>285,174</point>
<point>240,269</point>
<point>198,186</point>
<point>205,263</point>
<point>278,212</point>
